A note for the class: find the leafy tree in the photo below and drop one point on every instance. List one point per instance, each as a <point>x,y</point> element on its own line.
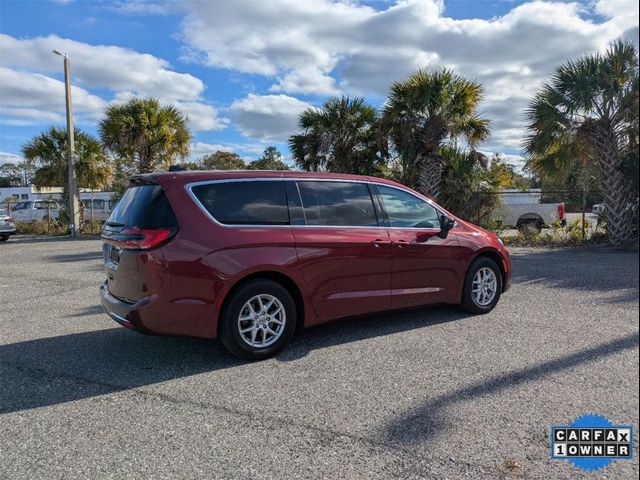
<point>10,175</point>
<point>465,189</point>
<point>145,136</point>
<point>271,159</point>
<point>589,109</point>
<point>192,166</point>
<point>9,201</point>
<point>48,153</point>
<point>503,175</point>
<point>222,161</point>
<point>422,113</point>
<point>27,171</point>
<point>342,136</point>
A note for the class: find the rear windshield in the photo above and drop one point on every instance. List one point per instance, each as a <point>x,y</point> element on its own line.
<point>144,206</point>
<point>245,203</point>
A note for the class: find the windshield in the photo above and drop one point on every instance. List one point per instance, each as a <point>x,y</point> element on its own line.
<point>22,205</point>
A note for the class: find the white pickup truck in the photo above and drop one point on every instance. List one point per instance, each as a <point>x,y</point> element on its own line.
<point>29,211</point>
<point>522,209</point>
<point>34,210</point>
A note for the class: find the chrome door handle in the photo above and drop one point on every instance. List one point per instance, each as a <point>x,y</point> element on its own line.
<point>378,242</point>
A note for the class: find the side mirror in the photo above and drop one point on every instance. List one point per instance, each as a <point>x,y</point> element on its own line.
<point>446,224</point>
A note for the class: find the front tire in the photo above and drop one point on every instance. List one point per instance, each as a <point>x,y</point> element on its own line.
<point>258,320</point>
<point>4,238</point>
<point>482,286</point>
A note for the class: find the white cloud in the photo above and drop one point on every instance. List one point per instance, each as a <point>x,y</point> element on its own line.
<point>323,47</point>
<point>6,157</point>
<point>306,80</point>
<point>202,116</point>
<point>27,98</point>
<point>267,117</point>
<point>101,66</point>
<point>135,7</point>
<point>122,71</point>
<point>200,149</point>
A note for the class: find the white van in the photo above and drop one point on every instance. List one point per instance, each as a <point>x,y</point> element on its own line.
<point>97,209</point>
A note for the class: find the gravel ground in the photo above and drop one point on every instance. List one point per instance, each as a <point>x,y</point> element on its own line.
<point>431,393</point>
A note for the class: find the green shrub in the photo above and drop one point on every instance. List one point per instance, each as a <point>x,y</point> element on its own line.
<point>557,235</point>
<point>91,228</point>
<point>42,228</point>
<point>56,228</point>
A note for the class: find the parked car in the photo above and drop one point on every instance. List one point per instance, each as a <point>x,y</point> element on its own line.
<point>7,226</point>
<point>249,257</point>
<point>35,210</point>
<point>524,210</point>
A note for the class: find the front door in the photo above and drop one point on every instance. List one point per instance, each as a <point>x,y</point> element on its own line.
<point>425,267</point>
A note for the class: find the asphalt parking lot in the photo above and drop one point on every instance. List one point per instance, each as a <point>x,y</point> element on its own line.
<point>431,393</point>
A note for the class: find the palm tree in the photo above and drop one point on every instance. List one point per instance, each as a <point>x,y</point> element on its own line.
<point>48,152</point>
<point>144,134</point>
<point>593,102</point>
<point>342,136</point>
<point>422,113</point>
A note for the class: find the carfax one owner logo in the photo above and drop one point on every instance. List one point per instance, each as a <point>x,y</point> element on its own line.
<point>591,442</point>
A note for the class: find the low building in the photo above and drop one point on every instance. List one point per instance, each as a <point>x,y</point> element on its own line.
<point>48,193</point>
<point>30,193</point>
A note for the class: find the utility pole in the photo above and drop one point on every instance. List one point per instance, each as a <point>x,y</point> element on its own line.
<point>74,201</point>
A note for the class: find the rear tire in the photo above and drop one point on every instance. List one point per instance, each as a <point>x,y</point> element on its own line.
<point>258,320</point>
<point>483,274</point>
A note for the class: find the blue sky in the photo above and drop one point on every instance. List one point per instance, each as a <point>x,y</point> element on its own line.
<point>244,70</point>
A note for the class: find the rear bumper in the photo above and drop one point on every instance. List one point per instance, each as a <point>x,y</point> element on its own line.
<point>126,314</point>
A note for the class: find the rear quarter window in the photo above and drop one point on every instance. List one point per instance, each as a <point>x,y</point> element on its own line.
<point>245,202</point>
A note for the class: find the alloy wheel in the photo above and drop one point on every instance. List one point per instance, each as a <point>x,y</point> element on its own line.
<point>262,320</point>
<point>485,286</point>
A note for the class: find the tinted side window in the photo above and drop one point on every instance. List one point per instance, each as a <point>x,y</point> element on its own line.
<point>245,203</point>
<point>337,203</point>
<point>406,210</point>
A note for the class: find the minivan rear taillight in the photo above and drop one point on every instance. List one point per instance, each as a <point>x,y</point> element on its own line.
<point>142,238</point>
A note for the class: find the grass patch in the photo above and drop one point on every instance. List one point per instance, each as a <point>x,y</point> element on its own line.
<point>56,228</point>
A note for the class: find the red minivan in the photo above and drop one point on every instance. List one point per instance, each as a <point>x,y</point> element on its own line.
<point>251,256</point>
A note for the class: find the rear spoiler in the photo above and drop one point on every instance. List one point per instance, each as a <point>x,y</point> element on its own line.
<point>162,179</point>
<point>144,179</point>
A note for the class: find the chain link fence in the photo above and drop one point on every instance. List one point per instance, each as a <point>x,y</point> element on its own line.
<point>536,212</point>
